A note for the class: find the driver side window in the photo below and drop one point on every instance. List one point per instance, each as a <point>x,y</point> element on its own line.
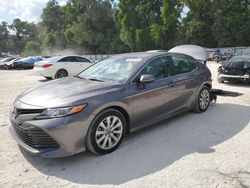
<point>159,68</point>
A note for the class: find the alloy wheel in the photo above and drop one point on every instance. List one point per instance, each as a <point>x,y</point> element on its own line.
<point>109,132</point>
<point>204,99</point>
<point>61,74</point>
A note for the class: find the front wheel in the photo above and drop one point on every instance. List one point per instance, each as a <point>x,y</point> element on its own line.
<point>202,100</point>
<point>106,132</point>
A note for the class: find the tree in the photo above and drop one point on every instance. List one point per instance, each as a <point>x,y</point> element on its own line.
<point>220,23</point>
<point>52,25</point>
<point>198,23</point>
<point>170,15</point>
<point>21,33</point>
<point>149,24</point>
<point>231,25</point>
<point>32,48</point>
<point>4,36</point>
<point>91,25</point>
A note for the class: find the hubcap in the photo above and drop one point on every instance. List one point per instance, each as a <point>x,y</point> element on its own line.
<point>61,74</point>
<point>109,132</point>
<point>204,99</point>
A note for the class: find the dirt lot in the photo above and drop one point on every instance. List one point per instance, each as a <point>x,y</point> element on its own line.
<point>211,149</point>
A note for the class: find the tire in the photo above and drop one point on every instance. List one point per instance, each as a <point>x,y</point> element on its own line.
<point>48,78</point>
<point>202,100</point>
<point>61,73</point>
<point>102,139</point>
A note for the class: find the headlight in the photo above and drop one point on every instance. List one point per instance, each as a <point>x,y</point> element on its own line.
<point>60,112</point>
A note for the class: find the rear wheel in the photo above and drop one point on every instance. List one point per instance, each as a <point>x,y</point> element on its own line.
<point>106,132</point>
<point>61,73</point>
<point>202,100</point>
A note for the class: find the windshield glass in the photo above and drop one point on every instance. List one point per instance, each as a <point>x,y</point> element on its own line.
<point>112,69</point>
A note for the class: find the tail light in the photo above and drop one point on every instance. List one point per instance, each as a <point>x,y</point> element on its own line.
<point>46,65</point>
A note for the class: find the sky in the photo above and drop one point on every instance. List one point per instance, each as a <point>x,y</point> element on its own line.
<point>26,10</point>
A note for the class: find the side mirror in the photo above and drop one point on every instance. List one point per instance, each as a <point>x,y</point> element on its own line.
<point>147,78</point>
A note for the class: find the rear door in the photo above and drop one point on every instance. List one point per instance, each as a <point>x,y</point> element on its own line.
<point>68,63</point>
<point>185,79</point>
<point>64,63</point>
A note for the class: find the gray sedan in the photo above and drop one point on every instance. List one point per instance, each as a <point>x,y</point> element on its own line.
<point>96,109</point>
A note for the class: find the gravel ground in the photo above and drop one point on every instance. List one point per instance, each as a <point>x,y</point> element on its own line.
<point>211,149</point>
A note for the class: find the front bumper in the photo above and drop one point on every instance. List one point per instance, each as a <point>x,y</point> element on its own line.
<point>68,132</point>
<point>47,153</point>
<point>246,76</point>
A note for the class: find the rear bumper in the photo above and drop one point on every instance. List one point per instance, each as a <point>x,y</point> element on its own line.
<point>246,76</point>
<point>44,72</point>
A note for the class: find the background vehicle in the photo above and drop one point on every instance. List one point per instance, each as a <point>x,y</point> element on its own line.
<point>27,63</point>
<point>61,66</point>
<point>9,64</point>
<point>237,68</point>
<point>99,106</point>
<point>6,59</point>
<point>226,56</point>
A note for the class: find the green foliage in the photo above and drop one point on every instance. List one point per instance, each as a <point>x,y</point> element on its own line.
<point>93,27</point>
<point>108,26</point>
<point>32,48</point>
<point>197,24</point>
<point>232,22</point>
<point>22,32</point>
<point>149,24</point>
<point>52,26</point>
<point>4,36</point>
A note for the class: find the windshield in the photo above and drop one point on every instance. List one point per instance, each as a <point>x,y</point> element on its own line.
<point>112,69</point>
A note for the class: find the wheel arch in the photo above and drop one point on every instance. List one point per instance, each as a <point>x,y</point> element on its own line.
<point>125,114</point>
<point>121,108</point>
<point>209,85</point>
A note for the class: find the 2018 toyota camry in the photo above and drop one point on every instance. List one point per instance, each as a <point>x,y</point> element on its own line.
<point>97,108</point>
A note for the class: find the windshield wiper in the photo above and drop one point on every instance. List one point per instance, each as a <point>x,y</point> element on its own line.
<point>95,79</point>
<point>79,77</point>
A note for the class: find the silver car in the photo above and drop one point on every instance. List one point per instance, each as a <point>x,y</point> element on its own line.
<point>96,109</point>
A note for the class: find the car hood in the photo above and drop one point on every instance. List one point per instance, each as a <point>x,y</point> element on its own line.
<point>65,92</point>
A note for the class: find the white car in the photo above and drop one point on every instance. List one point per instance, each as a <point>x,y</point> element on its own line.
<point>61,66</point>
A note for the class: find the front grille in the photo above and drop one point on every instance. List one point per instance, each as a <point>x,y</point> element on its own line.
<point>28,111</point>
<point>234,72</point>
<point>34,137</point>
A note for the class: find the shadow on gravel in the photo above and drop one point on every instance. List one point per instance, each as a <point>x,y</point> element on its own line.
<point>151,149</point>
<point>44,80</point>
<point>225,93</point>
<point>238,84</point>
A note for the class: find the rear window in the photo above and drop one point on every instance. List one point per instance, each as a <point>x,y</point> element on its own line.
<point>182,64</point>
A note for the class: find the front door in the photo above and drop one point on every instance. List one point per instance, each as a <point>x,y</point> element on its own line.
<point>151,102</point>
